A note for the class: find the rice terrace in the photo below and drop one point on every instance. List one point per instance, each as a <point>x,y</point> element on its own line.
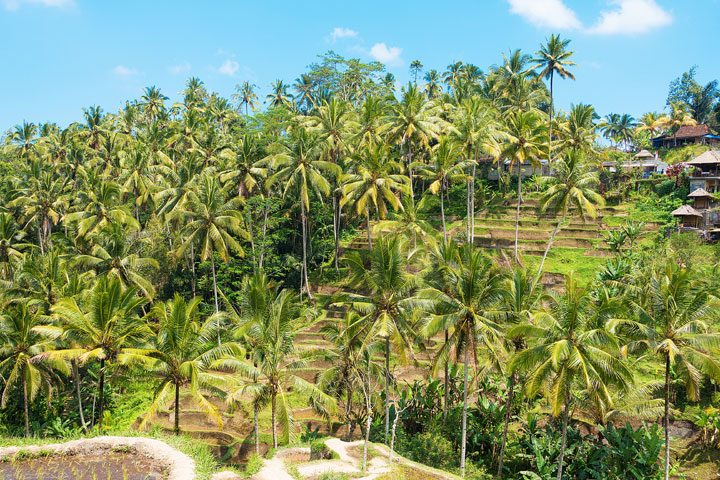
<point>470,240</point>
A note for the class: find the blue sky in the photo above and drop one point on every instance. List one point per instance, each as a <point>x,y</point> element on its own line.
<point>63,55</point>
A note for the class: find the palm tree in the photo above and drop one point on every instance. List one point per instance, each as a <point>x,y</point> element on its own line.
<point>279,95</point>
<point>377,183</point>
<point>182,352</point>
<point>11,245</point>
<point>213,224</point>
<point>468,311</point>
<point>305,88</point>
<point>554,58</point>
<point>153,103</point>
<point>297,162</point>
<point>104,328</point>
<point>271,375</point>
<point>678,117</point>
<point>573,186</point>
<point>674,311</point>
<point>416,67</point>
<point>522,140</point>
<point>521,298</point>
<point>568,351</point>
<point>578,130</point>
<point>409,222</point>
<point>25,337</point>
<point>432,87</point>
<point>386,300</point>
<point>444,169</point>
<point>99,207</point>
<point>245,96</point>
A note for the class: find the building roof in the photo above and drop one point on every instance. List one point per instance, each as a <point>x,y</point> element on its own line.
<point>686,211</point>
<point>691,131</point>
<point>643,154</point>
<point>707,158</point>
<point>701,193</point>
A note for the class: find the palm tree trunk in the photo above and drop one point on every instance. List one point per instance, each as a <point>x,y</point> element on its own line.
<point>348,408</point>
<point>550,242</point>
<point>177,408</point>
<point>217,305</point>
<point>472,202</point>
<point>192,267</point>
<point>274,427</point>
<point>463,445</point>
<point>387,388</point>
<point>367,225</point>
<point>517,214</point>
<point>666,417</point>
<point>368,407</point>
<point>101,394</point>
<point>76,380</point>
<point>442,214</point>
<point>26,408</point>
<point>506,423</point>
<point>336,230</point>
<point>392,436</point>
<point>264,236</point>
<point>256,428</point>
<point>305,281</point>
<point>552,72</point>
<point>446,385</point>
<point>566,413</point>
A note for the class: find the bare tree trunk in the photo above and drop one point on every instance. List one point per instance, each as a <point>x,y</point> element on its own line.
<point>305,281</point>
<point>367,225</point>
<point>348,408</point>
<point>177,408</point>
<point>517,214</point>
<point>264,235</point>
<point>256,428</point>
<point>387,388</point>
<point>392,436</point>
<point>552,106</point>
<point>336,230</point>
<point>274,427</point>
<point>217,304</point>
<point>446,385</point>
<point>463,446</point>
<point>101,394</point>
<point>550,243</point>
<point>566,413</point>
<point>78,393</point>
<point>666,417</point>
<point>192,267</point>
<point>368,407</point>
<point>442,214</point>
<point>508,414</point>
<point>26,408</point>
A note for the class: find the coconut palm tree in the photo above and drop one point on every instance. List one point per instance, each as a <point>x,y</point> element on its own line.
<point>12,245</point>
<point>573,186</point>
<point>246,97</point>
<point>297,162</point>
<point>25,336</point>
<point>522,140</point>
<point>678,117</point>
<point>433,84</point>
<point>181,355</point>
<point>377,184</point>
<point>270,374</point>
<point>468,310</point>
<point>104,327</point>
<point>152,103</point>
<point>97,208</point>
<point>578,130</point>
<point>386,300</point>
<point>444,169</point>
<point>279,95</point>
<point>674,312</point>
<point>554,58</point>
<point>567,351</point>
<point>214,225</point>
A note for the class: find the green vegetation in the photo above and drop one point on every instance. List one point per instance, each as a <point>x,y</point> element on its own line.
<point>341,263</point>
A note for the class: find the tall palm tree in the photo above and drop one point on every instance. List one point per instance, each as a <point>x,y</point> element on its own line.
<point>678,117</point>
<point>377,183</point>
<point>25,337</point>
<point>181,356</point>
<point>98,207</point>
<point>674,312</point>
<point>444,169</point>
<point>578,130</point>
<point>468,310</point>
<point>245,96</point>
<point>12,245</point>
<point>433,81</point>
<point>573,186</point>
<point>568,351</point>
<point>105,328</point>
<point>279,95</point>
<point>554,58</point>
<point>213,224</point>
<point>386,300</point>
<point>522,140</point>
<point>298,163</point>
<point>305,88</point>
<point>153,103</point>
<point>271,373</point>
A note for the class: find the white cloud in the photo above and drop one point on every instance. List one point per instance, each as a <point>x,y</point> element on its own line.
<point>180,68</point>
<point>125,72</point>
<point>546,13</point>
<point>341,32</point>
<point>16,4</point>
<point>229,68</point>
<point>387,55</point>
<point>632,17</point>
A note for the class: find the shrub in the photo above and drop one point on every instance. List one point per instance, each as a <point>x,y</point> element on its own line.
<point>320,451</point>
<point>254,464</point>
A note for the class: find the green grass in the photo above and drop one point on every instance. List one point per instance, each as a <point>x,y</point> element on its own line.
<point>569,260</point>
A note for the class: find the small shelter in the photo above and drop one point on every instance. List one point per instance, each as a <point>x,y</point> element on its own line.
<point>702,199</point>
<point>688,216</point>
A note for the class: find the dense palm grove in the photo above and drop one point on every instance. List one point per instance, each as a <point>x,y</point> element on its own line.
<point>181,248</point>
